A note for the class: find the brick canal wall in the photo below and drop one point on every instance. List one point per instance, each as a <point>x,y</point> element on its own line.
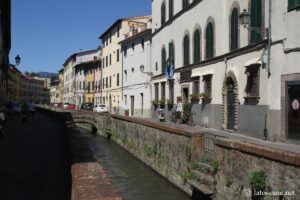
<point>181,157</point>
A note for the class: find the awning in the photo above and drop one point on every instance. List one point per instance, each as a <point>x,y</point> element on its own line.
<point>253,61</point>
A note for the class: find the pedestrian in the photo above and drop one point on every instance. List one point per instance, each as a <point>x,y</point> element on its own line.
<point>31,109</point>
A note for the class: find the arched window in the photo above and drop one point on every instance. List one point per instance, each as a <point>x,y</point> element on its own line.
<point>186,50</point>
<point>185,3</point>
<point>172,53</point>
<point>171,9</point>
<point>210,41</point>
<point>256,21</point>
<point>197,51</point>
<point>163,13</point>
<point>234,30</point>
<point>163,60</point>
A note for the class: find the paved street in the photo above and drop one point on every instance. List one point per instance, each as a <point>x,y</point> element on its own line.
<point>34,161</point>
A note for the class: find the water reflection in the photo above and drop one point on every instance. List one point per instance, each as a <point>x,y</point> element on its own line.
<point>134,180</point>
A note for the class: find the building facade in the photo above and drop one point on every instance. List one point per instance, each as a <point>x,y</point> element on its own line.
<point>112,60</point>
<point>137,72</point>
<point>14,84</point>
<point>33,90</point>
<point>61,85</point>
<point>244,76</point>
<point>5,45</point>
<point>69,80</point>
<point>54,92</point>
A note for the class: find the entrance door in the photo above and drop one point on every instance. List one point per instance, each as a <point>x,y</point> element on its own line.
<point>185,95</point>
<point>132,105</point>
<point>230,104</point>
<point>293,110</point>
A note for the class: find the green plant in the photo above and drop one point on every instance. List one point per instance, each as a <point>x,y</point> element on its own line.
<point>188,176</point>
<point>169,101</point>
<point>258,180</point>
<point>215,166</point>
<point>154,102</point>
<point>228,181</point>
<point>194,96</point>
<point>186,112</point>
<point>162,102</point>
<point>204,95</point>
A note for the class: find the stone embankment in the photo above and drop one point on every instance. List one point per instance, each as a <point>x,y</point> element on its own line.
<point>200,162</point>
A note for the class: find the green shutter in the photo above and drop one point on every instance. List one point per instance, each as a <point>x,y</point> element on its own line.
<point>163,13</point>
<point>163,60</point>
<point>186,50</point>
<point>209,41</point>
<point>234,30</point>
<point>171,5</point>
<point>172,53</point>
<point>256,20</point>
<point>291,4</point>
<point>197,46</point>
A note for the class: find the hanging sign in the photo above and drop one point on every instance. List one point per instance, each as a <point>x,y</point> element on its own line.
<point>295,104</point>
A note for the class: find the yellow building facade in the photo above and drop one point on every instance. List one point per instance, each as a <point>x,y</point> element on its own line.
<point>89,84</point>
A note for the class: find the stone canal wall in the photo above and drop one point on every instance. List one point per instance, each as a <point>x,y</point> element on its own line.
<point>219,167</point>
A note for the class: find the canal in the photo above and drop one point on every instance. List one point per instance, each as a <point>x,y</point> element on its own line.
<point>133,179</point>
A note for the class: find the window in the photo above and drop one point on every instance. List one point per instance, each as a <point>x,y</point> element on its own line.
<point>103,61</point>
<point>252,88</point>
<point>125,100</point>
<point>110,81</point>
<point>171,9</point>
<point>186,50</point>
<point>163,90</point>
<point>125,72</point>
<point>118,55</point>
<point>106,61</point>
<point>207,79</point>
<point>171,90</point>
<point>163,60</point>
<point>172,53</point>
<point>109,37</point>
<point>156,92</point>
<point>293,4</point>
<point>196,89</point>
<point>93,85</point>
<point>109,59</point>
<point>106,82</point>
<point>143,43</point>
<point>95,57</point>
<point>256,21</point>
<point>125,51</point>
<point>132,45</point>
<point>83,83</point>
<point>234,30</point>
<point>118,82</point>
<point>118,32</point>
<point>103,83</point>
<point>163,13</point>
<point>197,51</point>
<point>209,41</point>
<point>79,85</point>
<point>185,3</point>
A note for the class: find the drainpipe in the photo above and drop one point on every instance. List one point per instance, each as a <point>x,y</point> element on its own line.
<point>269,38</point>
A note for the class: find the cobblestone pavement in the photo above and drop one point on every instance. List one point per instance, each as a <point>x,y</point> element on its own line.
<point>34,160</point>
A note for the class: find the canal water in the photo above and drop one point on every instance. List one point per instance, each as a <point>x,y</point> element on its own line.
<point>133,179</point>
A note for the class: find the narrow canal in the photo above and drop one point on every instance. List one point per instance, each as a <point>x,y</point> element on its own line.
<point>133,179</point>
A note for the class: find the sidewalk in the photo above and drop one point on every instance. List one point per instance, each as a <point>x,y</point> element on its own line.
<point>276,145</point>
<point>34,160</point>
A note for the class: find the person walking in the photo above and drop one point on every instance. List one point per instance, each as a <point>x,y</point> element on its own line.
<point>31,109</point>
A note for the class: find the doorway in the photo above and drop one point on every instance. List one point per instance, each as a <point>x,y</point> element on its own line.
<point>293,110</point>
<point>132,106</point>
<point>230,104</point>
<point>185,95</point>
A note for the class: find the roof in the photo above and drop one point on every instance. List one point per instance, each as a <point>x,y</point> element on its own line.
<point>78,53</point>
<point>117,22</point>
<point>92,63</point>
<point>140,34</point>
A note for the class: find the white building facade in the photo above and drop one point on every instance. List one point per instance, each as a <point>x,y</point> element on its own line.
<point>136,52</point>
<point>226,66</point>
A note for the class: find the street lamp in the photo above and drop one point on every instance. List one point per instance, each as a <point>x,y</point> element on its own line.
<point>18,60</point>
<point>245,18</point>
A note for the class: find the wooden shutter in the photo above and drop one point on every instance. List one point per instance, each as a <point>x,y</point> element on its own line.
<point>186,52</point>
<point>234,30</point>
<point>163,60</point>
<point>256,20</point>
<point>197,46</point>
<point>163,13</point>
<point>171,9</point>
<point>209,41</point>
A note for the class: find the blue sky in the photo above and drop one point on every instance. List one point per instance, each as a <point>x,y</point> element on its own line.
<point>46,32</point>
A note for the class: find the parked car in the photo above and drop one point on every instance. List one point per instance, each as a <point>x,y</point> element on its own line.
<point>65,105</point>
<point>87,106</point>
<point>100,108</point>
<point>72,107</point>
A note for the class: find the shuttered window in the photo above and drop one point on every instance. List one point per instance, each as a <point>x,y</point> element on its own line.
<point>186,50</point>
<point>209,41</point>
<point>256,21</point>
<point>185,3</point>
<point>234,30</point>
<point>171,8</point>
<point>172,53</point>
<point>163,60</point>
<point>163,13</point>
<point>197,51</point>
<point>293,4</point>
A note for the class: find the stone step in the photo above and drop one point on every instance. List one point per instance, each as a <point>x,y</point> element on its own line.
<point>201,187</point>
<point>202,178</point>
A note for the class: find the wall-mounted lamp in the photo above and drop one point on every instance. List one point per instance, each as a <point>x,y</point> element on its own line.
<point>18,60</point>
<point>142,69</point>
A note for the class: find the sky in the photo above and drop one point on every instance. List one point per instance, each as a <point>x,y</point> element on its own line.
<point>46,32</point>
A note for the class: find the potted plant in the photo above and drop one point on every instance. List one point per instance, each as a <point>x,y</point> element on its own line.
<point>170,103</point>
<point>154,102</point>
<point>162,103</point>
<point>205,98</point>
<point>195,98</point>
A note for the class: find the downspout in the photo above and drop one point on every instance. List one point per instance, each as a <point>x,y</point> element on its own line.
<point>269,38</point>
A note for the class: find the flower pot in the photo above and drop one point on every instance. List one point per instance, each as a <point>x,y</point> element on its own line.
<point>194,101</point>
